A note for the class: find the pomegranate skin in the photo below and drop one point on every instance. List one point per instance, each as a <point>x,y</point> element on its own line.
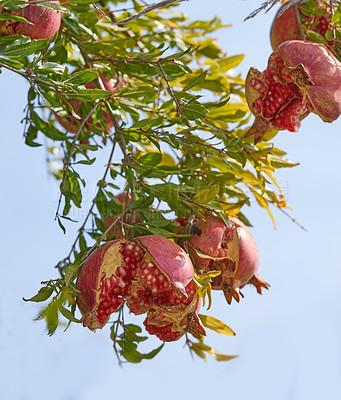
<point>324,70</point>
<point>175,262</point>
<point>248,254</point>
<point>46,22</point>
<point>207,237</point>
<point>88,282</point>
<point>284,27</point>
<point>230,250</point>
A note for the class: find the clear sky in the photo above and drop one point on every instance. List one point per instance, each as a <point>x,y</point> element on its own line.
<point>289,339</point>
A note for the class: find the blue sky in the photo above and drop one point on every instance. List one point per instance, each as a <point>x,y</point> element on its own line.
<point>288,340</point>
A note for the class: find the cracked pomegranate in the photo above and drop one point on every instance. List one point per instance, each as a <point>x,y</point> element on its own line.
<point>152,275</point>
<point>300,78</point>
<point>231,250</point>
<point>45,22</point>
<point>285,25</point>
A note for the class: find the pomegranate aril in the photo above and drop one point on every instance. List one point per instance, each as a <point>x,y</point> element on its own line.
<point>164,333</point>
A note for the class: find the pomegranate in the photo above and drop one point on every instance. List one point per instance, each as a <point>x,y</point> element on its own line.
<point>46,22</point>
<point>302,77</point>
<point>152,275</point>
<point>230,250</point>
<point>285,25</point>
<point>71,124</point>
<point>116,231</point>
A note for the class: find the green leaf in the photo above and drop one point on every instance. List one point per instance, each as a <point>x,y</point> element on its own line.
<point>68,314</point>
<point>61,225</point>
<point>216,325</point>
<point>315,37</point>
<point>151,159</point>
<point>6,16</point>
<point>153,353</point>
<point>194,110</point>
<point>143,91</point>
<point>23,47</point>
<point>70,271</point>
<point>50,314</point>
<point>89,94</point>
<point>195,81</point>
<point>12,63</point>
<point>43,294</point>
<point>82,77</point>
<point>86,162</point>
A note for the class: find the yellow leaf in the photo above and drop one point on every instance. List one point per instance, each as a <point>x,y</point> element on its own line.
<point>167,160</point>
<point>217,355</point>
<point>220,356</point>
<point>216,325</point>
<point>263,203</point>
<point>206,195</point>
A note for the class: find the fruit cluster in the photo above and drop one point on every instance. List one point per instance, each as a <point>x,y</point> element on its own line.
<point>154,275</point>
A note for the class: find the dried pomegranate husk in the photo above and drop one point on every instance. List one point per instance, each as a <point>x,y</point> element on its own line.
<point>302,77</point>
<point>45,22</point>
<point>231,250</point>
<point>152,274</point>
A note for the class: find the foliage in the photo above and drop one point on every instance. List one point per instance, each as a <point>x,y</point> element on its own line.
<point>174,133</point>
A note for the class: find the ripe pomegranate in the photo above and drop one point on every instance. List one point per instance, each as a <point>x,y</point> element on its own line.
<point>285,25</point>
<point>71,124</point>
<point>152,275</point>
<point>231,250</point>
<point>301,77</point>
<point>46,22</point>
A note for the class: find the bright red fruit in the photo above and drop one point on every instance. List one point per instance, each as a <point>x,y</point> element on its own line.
<point>45,22</point>
<point>302,77</point>
<point>152,275</point>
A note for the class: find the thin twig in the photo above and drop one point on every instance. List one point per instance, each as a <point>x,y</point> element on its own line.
<point>171,91</point>
<point>299,22</point>
<point>68,162</point>
<point>293,219</point>
<point>146,10</point>
<point>93,203</point>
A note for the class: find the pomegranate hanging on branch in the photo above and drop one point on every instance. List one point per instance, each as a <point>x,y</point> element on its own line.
<point>231,250</point>
<point>300,78</point>
<point>42,22</point>
<point>152,275</point>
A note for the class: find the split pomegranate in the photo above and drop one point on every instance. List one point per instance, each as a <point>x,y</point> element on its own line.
<point>45,22</point>
<point>152,275</point>
<point>231,250</point>
<point>302,77</point>
<point>286,25</point>
<point>71,124</point>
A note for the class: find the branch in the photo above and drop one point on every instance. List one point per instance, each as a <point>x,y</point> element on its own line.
<point>152,7</point>
<point>93,205</point>
<point>178,108</point>
<point>68,162</point>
